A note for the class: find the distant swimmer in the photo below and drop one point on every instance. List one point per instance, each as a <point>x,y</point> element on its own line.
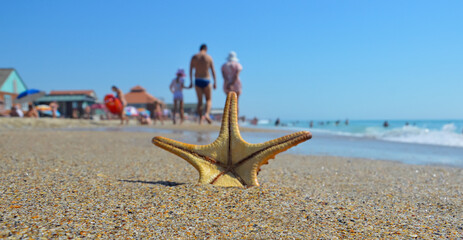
<point>254,121</point>
<point>385,124</point>
<point>346,122</point>
<point>277,122</point>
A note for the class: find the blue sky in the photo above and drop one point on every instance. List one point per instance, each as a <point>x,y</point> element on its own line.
<point>301,59</point>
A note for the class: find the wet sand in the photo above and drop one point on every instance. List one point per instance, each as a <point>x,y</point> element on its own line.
<point>118,185</point>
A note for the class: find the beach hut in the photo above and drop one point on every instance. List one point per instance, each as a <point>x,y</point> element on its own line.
<point>72,103</point>
<point>11,84</point>
<point>139,98</point>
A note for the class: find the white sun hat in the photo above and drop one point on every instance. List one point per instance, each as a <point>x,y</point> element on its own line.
<point>232,56</point>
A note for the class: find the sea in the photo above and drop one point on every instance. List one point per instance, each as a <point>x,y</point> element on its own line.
<point>429,142</point>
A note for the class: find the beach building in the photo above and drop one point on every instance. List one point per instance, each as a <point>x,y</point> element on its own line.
<point>70,101</point>
<point>139,98</point>
<point>11,84</point>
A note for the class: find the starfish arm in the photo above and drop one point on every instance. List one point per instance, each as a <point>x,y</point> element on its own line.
<point>267,151</point>
<point>229,125</point>
<point>207,167</point>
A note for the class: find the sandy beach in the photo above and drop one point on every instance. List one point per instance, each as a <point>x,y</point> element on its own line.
<point>110,184</point>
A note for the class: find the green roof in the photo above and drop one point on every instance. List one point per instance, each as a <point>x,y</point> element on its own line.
<point>65,98</point>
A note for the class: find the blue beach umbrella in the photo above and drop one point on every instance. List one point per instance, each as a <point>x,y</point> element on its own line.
<point>29,95</point>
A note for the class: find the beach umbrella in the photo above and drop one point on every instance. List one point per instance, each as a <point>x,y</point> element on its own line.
<point>46,110</point>
<point>131,111</point>
<point>50,113</point>
<point>29,95</point>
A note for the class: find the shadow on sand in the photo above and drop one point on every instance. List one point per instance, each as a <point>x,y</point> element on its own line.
<point>164,183</point>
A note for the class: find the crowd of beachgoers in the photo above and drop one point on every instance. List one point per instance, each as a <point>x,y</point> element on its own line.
<point>202,70</point>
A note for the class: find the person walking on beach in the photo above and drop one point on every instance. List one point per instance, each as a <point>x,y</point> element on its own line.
<point>120,96</point>
<point>202,63</point>
<point>176,88</point>
<point>231,75</point>
<point>158,112</point>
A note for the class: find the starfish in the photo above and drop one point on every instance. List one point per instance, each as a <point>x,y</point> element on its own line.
<point>230,161</point>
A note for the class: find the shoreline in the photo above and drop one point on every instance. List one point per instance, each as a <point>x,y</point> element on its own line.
<point>7,123</point>
<point>118,184</point>
<point>320,145</point>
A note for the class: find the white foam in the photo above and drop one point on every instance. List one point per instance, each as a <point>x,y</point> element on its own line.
<point>445,137</point>
<point>449,127</point>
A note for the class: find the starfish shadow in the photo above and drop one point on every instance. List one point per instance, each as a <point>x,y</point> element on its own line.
<point>164,183</point>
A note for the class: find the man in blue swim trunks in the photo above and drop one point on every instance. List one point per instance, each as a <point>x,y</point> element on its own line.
<point>201,63</point>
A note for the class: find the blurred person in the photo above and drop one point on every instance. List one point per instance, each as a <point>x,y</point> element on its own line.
<point>75,113</point>
<point>254,121</point>
<point>158,112</point>
<point>202,63</point>
<point>144,119</point>
<point>231,75</point>
<point>16,111</point>
<point>386,124</point>
<point>176,87</point>
<point>120,96</point>
<point>88,113</point>
<point>54,108</point>
<point>31,112</point>
<point>166,113</point>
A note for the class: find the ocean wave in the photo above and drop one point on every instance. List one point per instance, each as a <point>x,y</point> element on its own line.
<point>446,136</point>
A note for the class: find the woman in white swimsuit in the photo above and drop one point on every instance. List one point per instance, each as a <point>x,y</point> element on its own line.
<point>176,88</point>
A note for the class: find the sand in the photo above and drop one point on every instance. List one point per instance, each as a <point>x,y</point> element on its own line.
<point>71,184</point>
